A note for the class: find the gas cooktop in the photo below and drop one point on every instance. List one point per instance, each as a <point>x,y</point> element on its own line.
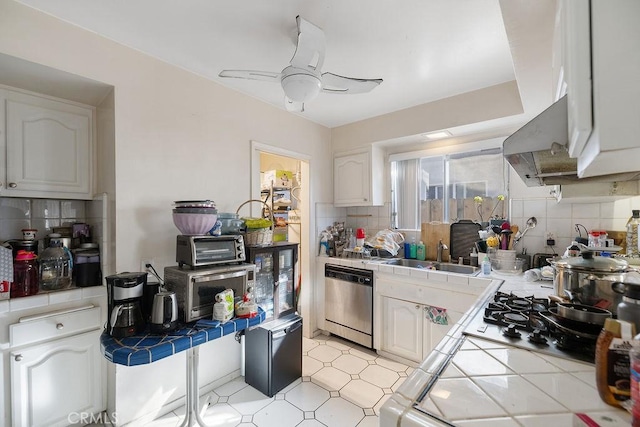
<point>526,322</point>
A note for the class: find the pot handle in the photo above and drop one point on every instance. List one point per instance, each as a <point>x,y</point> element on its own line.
<point>618,287</point>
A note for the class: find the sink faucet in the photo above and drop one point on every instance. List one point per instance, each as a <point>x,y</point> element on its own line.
<point>441,247</point>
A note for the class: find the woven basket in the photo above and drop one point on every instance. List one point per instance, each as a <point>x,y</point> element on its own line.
<point>258,236</point>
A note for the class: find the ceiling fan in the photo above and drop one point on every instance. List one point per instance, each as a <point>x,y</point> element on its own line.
<point>302,80</point>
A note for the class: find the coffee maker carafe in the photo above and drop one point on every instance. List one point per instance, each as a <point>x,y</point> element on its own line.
<point>124,292</point>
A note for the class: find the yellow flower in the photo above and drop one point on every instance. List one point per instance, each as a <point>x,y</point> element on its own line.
<point>478,199</point>
<point>493,242</point>
<point>500,196</point>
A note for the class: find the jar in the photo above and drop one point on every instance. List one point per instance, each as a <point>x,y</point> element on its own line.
<point>56,267</point>
<point>86,269</point>
<point>25,275</point>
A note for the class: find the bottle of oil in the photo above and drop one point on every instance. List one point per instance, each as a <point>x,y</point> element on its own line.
<point>612,361</point>
<point>632,233</point>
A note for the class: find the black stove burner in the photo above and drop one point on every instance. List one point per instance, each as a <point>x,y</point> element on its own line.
<point>516,314</point>
<point>508,309</point>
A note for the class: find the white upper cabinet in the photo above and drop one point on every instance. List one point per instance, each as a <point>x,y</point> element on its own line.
<point>358,178</point>
<point>48,145</point>
<point>601,64</point>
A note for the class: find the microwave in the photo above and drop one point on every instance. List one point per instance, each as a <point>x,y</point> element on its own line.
<point>196,289</point>
<point>197,251</point>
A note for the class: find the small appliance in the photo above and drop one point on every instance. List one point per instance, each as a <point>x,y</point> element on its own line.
<point>196,289</point>
<point>197,251</point>
<point>164,313</point>
<point>124,294</point>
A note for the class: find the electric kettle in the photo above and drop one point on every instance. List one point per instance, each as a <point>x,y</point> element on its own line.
<point>164,313</point>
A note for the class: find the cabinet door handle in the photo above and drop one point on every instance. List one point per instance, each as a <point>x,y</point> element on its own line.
<point>12,185</point>
<point>18,357</point>
<point>60,326</point>
<point>417,307</point>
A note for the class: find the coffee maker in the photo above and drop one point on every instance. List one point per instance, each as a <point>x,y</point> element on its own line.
<point>124,293</point>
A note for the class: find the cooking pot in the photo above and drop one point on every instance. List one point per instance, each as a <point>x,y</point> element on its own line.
<point>591,280</point>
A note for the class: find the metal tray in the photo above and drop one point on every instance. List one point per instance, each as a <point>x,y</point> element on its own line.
<point>462,238</point>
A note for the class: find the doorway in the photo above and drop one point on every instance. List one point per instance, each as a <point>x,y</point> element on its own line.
<point>293,222</point>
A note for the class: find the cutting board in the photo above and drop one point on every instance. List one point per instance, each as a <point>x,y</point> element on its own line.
<point>431,234</point>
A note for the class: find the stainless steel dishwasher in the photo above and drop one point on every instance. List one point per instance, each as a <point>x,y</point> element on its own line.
<point>348,303</point>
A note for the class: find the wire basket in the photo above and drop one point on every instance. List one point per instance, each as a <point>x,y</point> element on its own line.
<point>258,236</point>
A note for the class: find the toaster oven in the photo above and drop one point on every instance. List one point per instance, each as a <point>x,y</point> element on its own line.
<point>197,251</point>
<point>196,289</point>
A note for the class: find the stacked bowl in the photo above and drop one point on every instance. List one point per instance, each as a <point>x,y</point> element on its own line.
<point>194,217</point>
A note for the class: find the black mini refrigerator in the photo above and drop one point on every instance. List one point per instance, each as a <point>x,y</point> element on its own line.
<point>273,354</point>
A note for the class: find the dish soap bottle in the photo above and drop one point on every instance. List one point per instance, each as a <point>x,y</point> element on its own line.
<point>632,233</point>
<point>486,266</point>
<point>413,249</point>
<point>420,251</point>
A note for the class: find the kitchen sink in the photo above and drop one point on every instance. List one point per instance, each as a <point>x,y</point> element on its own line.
<point>433,265</point>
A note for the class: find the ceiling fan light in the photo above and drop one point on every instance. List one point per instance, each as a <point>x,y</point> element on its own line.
<point>301,87</point>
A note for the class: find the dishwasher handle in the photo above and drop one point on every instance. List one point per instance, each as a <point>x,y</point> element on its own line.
<point>289,330</point>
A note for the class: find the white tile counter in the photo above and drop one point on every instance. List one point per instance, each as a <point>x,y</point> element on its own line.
<point>468,381</point>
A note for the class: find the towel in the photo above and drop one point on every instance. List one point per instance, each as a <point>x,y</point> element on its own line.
<point>6,271</point>
<point>438,315</point>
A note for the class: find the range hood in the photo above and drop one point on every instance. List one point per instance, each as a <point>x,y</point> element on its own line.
<point>538,151</point>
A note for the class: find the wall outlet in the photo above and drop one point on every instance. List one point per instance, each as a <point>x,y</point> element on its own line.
<point>144,262</point>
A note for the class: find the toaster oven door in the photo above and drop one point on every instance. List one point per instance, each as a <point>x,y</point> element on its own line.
<point>203,291</point>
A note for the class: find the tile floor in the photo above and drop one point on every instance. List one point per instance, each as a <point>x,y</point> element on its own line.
<point>342,385</point>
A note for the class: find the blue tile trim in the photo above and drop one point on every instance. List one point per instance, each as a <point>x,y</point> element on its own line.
<point>148,348</point>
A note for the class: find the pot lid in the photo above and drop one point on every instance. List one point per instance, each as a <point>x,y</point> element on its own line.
<point>592,264</point>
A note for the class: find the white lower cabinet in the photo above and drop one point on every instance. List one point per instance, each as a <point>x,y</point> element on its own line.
<point>403,328</point>
<point>57,383</point>
<point>408,330</point>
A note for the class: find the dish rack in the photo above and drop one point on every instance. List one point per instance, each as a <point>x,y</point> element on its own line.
<point>258,236</point>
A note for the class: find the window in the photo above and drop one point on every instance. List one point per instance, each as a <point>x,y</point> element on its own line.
<point>445,187</point>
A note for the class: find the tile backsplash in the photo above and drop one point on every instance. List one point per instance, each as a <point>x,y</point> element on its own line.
<point>44,214</point>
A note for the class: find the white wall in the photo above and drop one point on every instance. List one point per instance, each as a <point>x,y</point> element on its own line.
<point>176,136</point>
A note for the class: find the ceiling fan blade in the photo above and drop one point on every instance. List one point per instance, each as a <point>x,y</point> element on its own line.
<point>311,46</point>
<point>333,83</point>
<point>267,76</point>
<point>293,106</point>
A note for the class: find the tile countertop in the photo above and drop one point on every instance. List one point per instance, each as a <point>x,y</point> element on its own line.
<point>471,382</point>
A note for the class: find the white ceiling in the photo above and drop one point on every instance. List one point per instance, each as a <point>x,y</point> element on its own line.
<point>424,50</point>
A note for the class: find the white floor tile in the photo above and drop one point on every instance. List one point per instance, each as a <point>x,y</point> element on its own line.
<point>308,344</point>
<point>310,366</point>
<point>350,364</point>
<point>222,415</point>
<point>376,408</point>
<point>339,344</point>
<point>363,353</point>
<point>379,376</point>
<point>331,378</point>
<point>325,353</point>
<point>307,396</point>
<point>390,364</point>
<point>337,412</point>
<point>370,421</point>
<point>231,387</point>
<point>278,414</point>
<point>248,401</point>
<point>397,384</point>
<point>361,393</point>
<point>311,423</point>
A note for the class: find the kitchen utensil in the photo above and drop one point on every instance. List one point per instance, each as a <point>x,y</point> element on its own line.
<point>514,233</point>
<point>505,235</point>
<point>507,266</point>
<point>194,224</point>
<point>531,223</point>
<point>591,280</point>
<point>124,298</point>
<point>164,313</point>
<point>578,329</point>
<point>582,313</point>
